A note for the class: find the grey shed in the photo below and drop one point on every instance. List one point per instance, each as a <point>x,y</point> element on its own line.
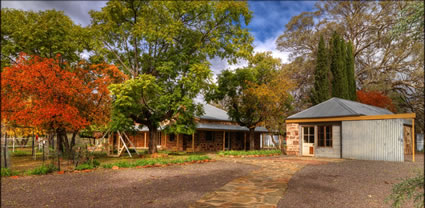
<point>339,128</point>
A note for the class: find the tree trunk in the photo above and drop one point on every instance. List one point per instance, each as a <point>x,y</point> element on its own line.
<point>59,146</point>
<point>65,142</point>
<point>153,134</point>
<point>33,145</point>
<point>251,138</point>
<point>52,140</point>
<point>5,157</point>
<point>74,134</point>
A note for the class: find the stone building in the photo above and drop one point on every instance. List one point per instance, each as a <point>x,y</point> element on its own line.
<point>339,128</point>
<point>214,132</point>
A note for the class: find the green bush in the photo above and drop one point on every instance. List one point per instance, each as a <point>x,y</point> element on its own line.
<point>410,188</point>
<point>250,152</point>
<point>8,172</point>
<point>109,166</point>
<point>157,161</point>
<point>42,170</point>
<point>88,165</point>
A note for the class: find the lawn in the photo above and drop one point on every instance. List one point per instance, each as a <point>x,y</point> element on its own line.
<point>23,163</point>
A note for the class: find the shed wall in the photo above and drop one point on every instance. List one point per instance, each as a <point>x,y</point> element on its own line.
<point>335,150</point>
<point>373,140</point>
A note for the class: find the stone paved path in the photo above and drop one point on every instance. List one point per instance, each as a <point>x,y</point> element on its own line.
<point>263,187</point>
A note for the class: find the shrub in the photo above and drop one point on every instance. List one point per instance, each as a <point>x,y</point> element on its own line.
<point>8,172</point>
<point>42,170</point>
<point>250,152</point>
<point>20,153</point>
<point>84,166</point>
<point>412,188</point>
<point>156,161</point>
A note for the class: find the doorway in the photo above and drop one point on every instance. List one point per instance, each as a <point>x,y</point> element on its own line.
<point>308,141</point>
<point>227,141</point>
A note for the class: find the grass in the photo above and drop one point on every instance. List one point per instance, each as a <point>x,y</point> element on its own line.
<point>89,165</point>
<point>42,170</point>
<point>8,172</point>
<point>156,161</point>
<point>250,152</point>
<point>20,153</point>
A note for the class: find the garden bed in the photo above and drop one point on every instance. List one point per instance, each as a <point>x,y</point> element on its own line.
<point>251,153</point>
<point>158,162</point>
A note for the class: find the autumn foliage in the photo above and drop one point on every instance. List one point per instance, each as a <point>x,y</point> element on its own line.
<point>48,94</point>
<point>375,98</point>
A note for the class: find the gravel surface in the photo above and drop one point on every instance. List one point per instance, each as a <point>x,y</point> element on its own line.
<point>172,186</point>
<point>351,183</point>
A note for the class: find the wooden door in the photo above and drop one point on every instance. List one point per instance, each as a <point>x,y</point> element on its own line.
<point>308,140</point>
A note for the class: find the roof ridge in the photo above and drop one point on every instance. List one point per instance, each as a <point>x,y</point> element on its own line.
<point>374,108</point>
<point>345,106</point>
<point>310,107</point>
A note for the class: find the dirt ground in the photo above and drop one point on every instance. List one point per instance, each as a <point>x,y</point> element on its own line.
<point>351,183</point>
<point>172,186</point>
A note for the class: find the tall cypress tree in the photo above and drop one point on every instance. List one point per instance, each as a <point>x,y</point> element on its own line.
<point>349,63</point>
<point>337,67</point>
<point>321,81</point>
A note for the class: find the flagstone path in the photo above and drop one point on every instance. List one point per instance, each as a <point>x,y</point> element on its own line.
<point>263,187</point>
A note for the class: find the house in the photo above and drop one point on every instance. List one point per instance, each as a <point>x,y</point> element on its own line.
<point>339,128</point>
<point>215,131</point>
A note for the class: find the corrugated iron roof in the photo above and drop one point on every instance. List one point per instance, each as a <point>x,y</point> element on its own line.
<point>337,107</point>
<point>214,113</point>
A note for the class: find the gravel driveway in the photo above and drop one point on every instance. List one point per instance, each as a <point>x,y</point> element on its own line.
<point>351,183</point>
<point>172,186</point>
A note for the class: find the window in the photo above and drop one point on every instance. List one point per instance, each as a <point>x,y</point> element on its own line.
<point>325,136</point>
<point>171,137</point>
<point>209,136</point>
<point>309,134</point>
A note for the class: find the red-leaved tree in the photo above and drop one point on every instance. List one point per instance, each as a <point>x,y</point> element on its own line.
<point>375,98</point>
<point>58,97</point>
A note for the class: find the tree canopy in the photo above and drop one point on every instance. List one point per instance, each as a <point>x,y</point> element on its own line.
<point>43,33</point>
<point>321,79</point>
<point>42,93</point>
<point>164,47</point>
<point>383,62</point>
<point>255,94</point>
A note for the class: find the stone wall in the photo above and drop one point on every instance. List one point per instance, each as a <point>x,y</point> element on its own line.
<point>293,139</point>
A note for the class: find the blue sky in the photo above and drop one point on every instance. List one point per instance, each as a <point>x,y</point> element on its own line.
<point>268,22</point>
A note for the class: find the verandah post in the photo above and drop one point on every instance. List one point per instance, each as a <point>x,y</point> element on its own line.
<point>244,141</point>
<point>145,139</point>
<point>224,140</point>
<point>413,139</point>
<point>193,142</point>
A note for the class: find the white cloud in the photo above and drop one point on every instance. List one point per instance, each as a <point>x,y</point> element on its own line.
<point>270,45</point>
<point>76,10</point>
<point>218,65</point>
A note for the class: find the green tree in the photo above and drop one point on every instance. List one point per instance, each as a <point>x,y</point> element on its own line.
<point>349,64</point>
<point>379,55</point>
<point>411,21</point>
<point>43,33</point>
<point>253,94</point>
<point>321,80</point>
<point>164,46</point>
<point>337,67</point>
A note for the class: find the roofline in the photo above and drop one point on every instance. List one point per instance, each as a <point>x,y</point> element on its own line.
<point>228,130</point>
<point>214,119</point>
<point>352,118</point>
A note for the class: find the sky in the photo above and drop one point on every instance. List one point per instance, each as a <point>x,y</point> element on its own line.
<point>268,22</point>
